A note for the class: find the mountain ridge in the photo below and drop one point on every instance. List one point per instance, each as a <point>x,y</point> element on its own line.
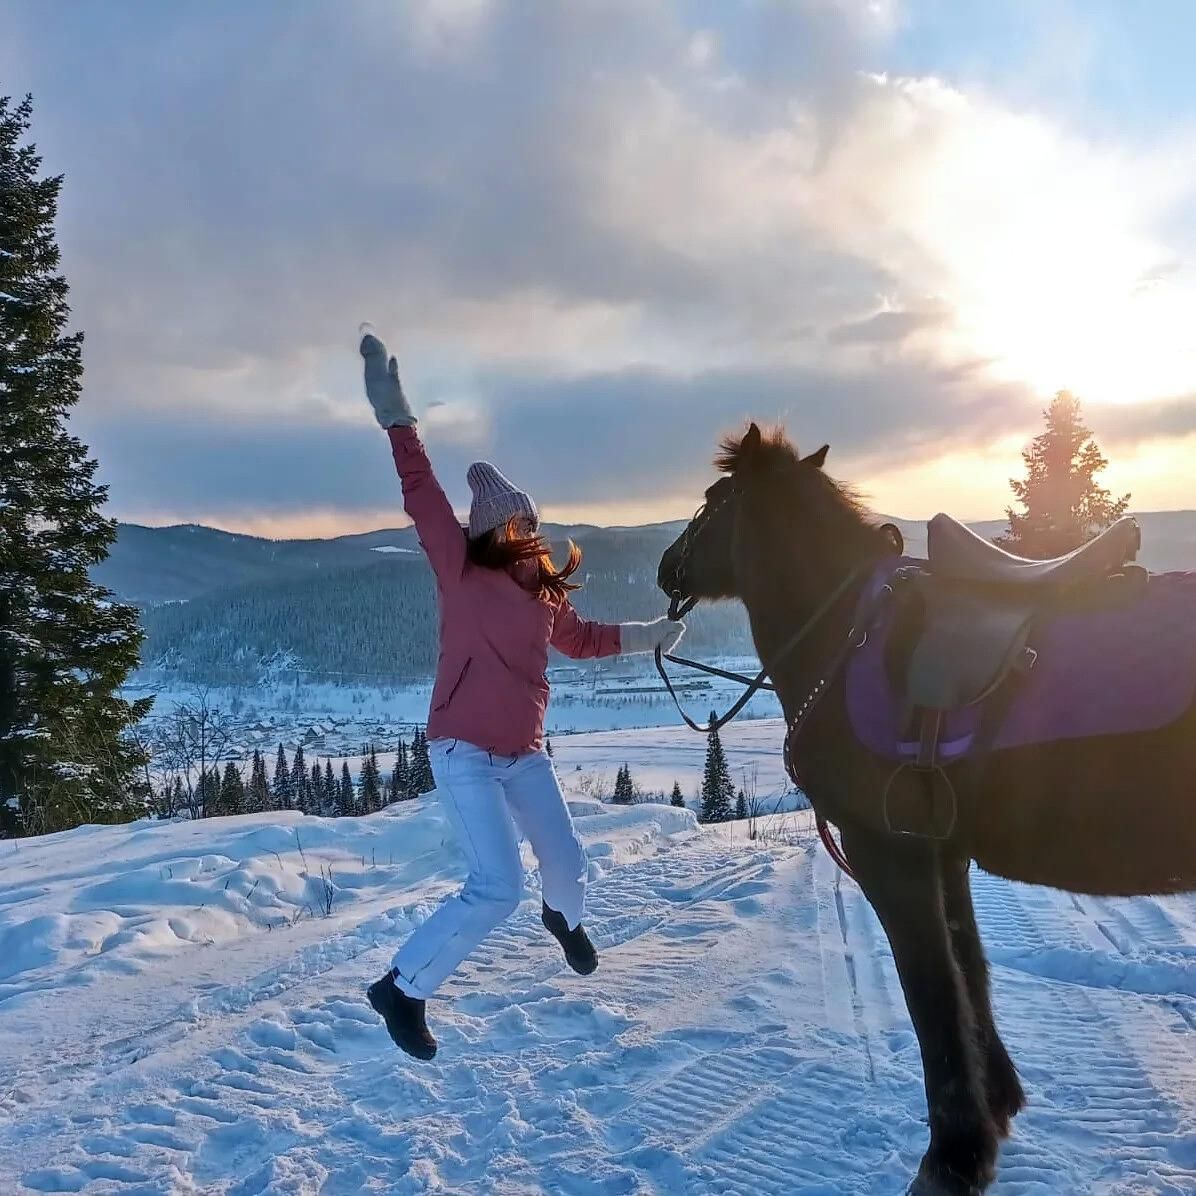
<point>174,563</point>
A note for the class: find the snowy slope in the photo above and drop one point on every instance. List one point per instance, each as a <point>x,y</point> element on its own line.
<point>745,1032</point>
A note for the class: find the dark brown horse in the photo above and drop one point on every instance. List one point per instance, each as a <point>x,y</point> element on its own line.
<point>1111,816</point>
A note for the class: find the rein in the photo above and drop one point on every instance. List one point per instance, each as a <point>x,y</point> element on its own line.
<point>679,607</point>
<point>760,680</point>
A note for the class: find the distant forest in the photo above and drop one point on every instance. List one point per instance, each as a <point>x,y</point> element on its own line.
<point>378,621</point>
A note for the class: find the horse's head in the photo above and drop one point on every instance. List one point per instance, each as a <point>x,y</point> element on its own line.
<point>761,474</point>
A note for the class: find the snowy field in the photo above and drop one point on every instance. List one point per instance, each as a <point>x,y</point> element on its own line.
<point>182,1011</point>
<point>332,719</point>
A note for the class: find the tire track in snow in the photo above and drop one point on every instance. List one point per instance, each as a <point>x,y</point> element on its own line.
<point>207,1122</point>
<point>1090,1057</point>
<point>770,1116</point>
<point>551,1083</point>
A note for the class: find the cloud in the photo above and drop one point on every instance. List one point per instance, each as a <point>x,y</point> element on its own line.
<point>625,439</point>
<point>887,326</point>
<point>1130,426</point>
<point>595,233</point>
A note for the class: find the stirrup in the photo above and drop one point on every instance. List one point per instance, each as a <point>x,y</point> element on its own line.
<point>931,775</point>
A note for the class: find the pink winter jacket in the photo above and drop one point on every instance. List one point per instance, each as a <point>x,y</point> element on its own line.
<point>491,689</point>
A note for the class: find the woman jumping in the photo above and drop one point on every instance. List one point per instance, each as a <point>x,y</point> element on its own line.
<point>502,603</point>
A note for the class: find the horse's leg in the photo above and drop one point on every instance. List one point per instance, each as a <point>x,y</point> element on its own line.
<point>1005,1096</point>
<point>903,881</point>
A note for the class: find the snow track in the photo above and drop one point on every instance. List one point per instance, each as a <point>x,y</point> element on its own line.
<point>745,1034</point>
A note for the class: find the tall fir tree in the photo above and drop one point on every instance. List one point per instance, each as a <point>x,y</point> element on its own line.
<point>347,798</point>
<point>284,790</point>
<point>299,781</point>
<point>331,790</point>
<point>717,787</point>
<point>369,797</point>
<point>232,790</point>
<point>257,796</point>
<point>209,792</point>
<point>422,780</point>
<point>741,805</point>
<point>677,799</point>
<point>379,782</point>
<point>624,793</point>
<point>1062,504</point>
<point>402,773</point>
<point>66,646</point>
<point>317,803</point>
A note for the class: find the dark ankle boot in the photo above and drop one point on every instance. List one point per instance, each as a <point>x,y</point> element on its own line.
<point>404,1017</point>
<point>579,951</point>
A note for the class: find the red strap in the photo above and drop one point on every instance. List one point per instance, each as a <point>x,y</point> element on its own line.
<point>832,848</point>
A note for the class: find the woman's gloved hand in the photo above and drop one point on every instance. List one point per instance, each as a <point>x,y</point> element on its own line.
<point>662,633</point>
<point>382,385</point>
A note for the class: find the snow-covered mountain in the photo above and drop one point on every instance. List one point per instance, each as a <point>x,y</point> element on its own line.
<point>219,606</point>
<point>150,565</point>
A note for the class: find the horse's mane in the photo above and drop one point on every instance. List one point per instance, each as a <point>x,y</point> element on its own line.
<point>775,448</point>
<point>778,455</point>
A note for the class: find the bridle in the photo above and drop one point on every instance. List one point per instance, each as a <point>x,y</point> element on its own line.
<point>680,605</point>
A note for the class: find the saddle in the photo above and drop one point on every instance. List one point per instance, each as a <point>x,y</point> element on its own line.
<point>971,611</point>
<point>973,652</point>
<point>979,603</point>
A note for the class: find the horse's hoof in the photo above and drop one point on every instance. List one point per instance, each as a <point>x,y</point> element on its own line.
<point>925,1185</point>
<point>931,1181</point>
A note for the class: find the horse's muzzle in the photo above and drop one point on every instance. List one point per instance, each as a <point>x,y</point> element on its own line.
<point>668,573</point>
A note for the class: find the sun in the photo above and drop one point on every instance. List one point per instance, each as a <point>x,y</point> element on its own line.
<point>1113,341</point>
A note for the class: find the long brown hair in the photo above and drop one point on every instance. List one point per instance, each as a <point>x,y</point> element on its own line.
<point>491,551</point>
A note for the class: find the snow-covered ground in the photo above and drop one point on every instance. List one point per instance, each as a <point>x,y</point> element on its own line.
<point>181,1013</point>
<point>332,719</point>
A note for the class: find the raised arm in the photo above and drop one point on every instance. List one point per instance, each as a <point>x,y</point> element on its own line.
<point>423,499</point>
<point>429,508</point>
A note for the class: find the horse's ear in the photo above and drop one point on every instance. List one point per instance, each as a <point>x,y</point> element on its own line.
<point>818,459</point>
<point>750,445</point>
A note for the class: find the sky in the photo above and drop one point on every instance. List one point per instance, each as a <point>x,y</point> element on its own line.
<point>600,235</point>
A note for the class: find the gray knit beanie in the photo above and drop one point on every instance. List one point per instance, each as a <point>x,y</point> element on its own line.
<point>495,500</point>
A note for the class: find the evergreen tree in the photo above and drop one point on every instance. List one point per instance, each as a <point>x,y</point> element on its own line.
<point>299,782</point>
<point>370,794</point>
<point>677,799</point>
<point>379,783</point>
<point>66,646</point>
<point>232,790</point>
<point>422,780</point>
<point>347,801</point>
<point>403,790</point>
<point>624,793</point>
<point>284,790</point>
<point>1063,506</point>
<point>257,798</point>
<point>315,790</point>
<point>331,791</point>
<point>741,806</point>
<point>717,787</point>
<point>209,792</point>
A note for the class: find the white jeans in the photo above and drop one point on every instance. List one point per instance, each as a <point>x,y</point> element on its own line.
<point>489,800</point>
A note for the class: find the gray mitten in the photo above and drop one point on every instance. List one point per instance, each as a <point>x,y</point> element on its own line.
<point>661,633</point>
<point>382,385</point>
